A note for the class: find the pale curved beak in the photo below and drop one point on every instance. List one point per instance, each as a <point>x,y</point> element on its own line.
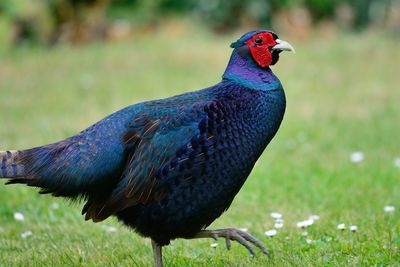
<point>283,46</point>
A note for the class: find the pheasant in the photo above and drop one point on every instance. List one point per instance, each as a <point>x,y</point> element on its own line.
<point>168,168</point>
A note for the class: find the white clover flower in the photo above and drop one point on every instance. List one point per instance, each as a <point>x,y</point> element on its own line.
<point>314,217</point>
<point>389,209</point>
<point>341,226</point>
<point>26,234</point>
<point>279,220</point>
<point>397,162</point>
<point>357,157</point>
<point>309,222</point>
<point>271,233</point>
<point>276,215</point>
<point>214,245</point>
<point>110,229</point>
<point>278,225</point>
<point>18,216</point>
<point>308,241</point>
<point>306,223</point>
<point>353,228</point>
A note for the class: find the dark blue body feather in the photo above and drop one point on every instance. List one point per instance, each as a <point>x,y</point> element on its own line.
<point>207,171</point>
<point>169,167</point>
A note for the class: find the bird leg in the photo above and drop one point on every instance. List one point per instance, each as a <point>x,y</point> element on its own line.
<point>233,234</point>
<point>157,253</point>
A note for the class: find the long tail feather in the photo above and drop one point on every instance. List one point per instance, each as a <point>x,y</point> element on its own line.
<point>11,167</point>
<point>61,169</point>
<point>42,167</point>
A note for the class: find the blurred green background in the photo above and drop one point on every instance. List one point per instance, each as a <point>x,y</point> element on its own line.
<point>66,64</point>
<point>75,21</point>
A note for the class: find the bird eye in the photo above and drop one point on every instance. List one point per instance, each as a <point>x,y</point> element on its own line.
<point>258,41</point>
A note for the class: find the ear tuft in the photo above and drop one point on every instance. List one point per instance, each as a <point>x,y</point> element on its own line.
<point>236,44</point>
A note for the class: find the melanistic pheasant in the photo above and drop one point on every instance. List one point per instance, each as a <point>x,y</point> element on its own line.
<point>168,168</point>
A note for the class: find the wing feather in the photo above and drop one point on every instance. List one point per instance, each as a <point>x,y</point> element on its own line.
<point>156,144</point>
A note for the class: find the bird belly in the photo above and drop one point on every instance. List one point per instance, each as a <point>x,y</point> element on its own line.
<point>188,208</point>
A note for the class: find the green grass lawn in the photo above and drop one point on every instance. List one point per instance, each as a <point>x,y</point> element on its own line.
<point>342,96</point>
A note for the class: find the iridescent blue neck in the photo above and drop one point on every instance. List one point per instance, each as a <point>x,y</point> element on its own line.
<point>245,72</point>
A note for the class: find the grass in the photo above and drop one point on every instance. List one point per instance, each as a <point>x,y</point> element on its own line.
<point>342,97</point>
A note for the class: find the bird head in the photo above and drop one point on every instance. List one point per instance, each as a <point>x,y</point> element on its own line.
<point>262,46</point>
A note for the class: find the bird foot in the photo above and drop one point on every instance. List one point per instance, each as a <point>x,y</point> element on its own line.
<point>233,234</point>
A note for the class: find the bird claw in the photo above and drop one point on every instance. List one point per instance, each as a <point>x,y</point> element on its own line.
<point>232,234</point>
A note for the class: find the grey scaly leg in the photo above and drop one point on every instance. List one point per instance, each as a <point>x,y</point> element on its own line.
<point>157,253</point>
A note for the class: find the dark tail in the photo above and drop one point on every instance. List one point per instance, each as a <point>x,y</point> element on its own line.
<point>38,167</point>
<point>11,166</point>
<point>61,169</point>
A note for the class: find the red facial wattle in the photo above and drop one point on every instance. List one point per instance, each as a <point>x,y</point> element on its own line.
<point>260,50</point>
